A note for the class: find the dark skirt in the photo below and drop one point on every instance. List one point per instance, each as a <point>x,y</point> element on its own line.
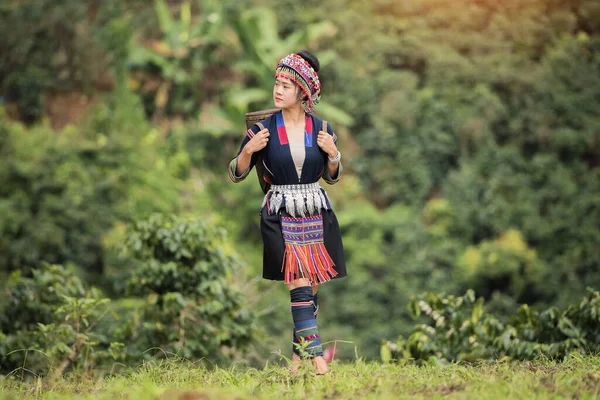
<point>274,246</point>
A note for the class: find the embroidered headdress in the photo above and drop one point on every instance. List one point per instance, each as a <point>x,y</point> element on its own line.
<point>298,70</point>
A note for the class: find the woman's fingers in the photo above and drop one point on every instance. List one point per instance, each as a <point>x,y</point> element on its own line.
<point>260,140</point>
<point>322,136</point>
<point>263,139</point>
<point>324,139</point>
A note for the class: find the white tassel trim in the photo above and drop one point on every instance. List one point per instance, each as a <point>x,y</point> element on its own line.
<point>299,200</point>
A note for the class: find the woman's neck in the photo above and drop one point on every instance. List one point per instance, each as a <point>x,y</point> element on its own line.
<point>293,116</point>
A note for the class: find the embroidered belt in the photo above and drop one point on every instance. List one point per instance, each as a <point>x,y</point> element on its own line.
<point>298,200</point>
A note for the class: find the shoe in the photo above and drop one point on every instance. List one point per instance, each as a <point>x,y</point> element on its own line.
<point>329,354</point>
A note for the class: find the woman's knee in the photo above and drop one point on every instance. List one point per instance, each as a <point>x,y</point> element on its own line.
<point>298,283</point>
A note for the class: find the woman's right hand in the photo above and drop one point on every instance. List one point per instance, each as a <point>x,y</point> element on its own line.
<point>258,142</point>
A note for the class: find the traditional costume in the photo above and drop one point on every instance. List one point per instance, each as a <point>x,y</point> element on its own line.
<point>300,231</point>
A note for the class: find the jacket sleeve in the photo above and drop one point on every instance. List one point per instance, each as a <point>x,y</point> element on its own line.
<point>235,175</point>
<point>326,175</point>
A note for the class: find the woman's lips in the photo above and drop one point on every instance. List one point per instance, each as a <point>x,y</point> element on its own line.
<point>278,99</point>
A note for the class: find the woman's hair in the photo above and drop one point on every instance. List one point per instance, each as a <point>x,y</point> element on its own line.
<point>313,61</point>
<point>310,58</point>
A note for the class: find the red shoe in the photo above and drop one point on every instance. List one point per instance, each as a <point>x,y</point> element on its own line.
<point>329,353</point>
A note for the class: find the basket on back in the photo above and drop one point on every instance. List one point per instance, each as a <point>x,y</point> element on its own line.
<point>251,119</point>
<point>256,116</point>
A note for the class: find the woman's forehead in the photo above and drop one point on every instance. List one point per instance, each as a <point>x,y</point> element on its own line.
<point>282,79</point>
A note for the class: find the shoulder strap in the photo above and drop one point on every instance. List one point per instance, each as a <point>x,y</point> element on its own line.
<point>324,126</point>
<point>260,169</point>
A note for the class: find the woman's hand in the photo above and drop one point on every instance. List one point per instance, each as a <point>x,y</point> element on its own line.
<point>257,143</point>
<point>325,142</point>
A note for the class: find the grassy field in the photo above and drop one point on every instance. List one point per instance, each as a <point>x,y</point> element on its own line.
<point>576,377</point>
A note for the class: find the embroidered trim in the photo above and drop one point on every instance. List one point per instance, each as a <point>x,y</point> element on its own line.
<point>232,168</point>
<point>330,179</point>
<point>303,303</point>
<point>281,132</point>
<point>308,132</point>
<point>250,134</point>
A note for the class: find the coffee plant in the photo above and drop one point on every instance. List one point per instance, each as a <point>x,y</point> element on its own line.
<point>192,308</point>
<point>459,329</point>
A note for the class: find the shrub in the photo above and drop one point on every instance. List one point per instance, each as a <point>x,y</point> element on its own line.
<point>48,323</point>
<point>191,306</point>
<point>460,330</point>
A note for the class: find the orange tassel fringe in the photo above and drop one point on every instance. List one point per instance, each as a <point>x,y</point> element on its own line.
<point>310,261</point>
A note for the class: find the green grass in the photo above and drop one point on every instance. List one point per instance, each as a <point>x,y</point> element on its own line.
<point>576,377</point>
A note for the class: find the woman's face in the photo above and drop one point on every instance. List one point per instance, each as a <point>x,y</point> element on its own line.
<point>285,93</point>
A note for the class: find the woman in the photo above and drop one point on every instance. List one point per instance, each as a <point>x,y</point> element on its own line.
<point>300,232</point>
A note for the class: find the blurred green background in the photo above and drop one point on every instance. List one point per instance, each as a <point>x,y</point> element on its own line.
<point>470,131</point>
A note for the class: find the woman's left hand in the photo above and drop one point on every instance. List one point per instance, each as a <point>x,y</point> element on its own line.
<point>325,142</point>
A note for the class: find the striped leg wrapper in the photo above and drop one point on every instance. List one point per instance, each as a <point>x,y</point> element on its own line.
<point>296,342</point>
<point>305,253</point>
<point>306,331</point>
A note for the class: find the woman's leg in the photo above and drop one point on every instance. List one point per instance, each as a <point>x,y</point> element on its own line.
<point>305,323</point>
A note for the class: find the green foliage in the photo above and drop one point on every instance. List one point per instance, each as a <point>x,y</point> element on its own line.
<point>44,49</point>
<point>192,307</point>
<point>473,138</point>
<point>263,46</point>
<point>460,330</point>
<point>57,49</point>
<point>504,265</point>
<point>34,300</point>
<point>48,324</point>
<point>56,198</point>
<point>542,198</point>
<point>391,255</point>
<point>181,64</point>
<point>485,109</point>
<point>61,193</point>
